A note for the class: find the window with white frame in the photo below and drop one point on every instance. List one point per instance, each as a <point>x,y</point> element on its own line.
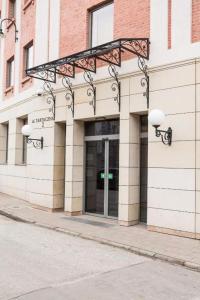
<point>101,23</point>
<point>10,72</point>
<point>12,9</point>
<point>28,57</point>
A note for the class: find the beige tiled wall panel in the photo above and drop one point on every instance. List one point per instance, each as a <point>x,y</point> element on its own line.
<point>129,155</point>
<point>125,109</point>
<point>133,173</point>
<point>138,103</point>
<point>73,204</point>
<point>198,154</point>
<point>44,187</point>
<point>198,126</point>
<point>198,97</point>
<point>173,77</point>
<point>61,114</point>
<point>129,194</point>
<point>198,202</point>
<point>41,172</point>
<point>198,179</point>
<point>171,199</point>
<point>198,223</point>
<point>198,71</point>
<point>179,155</point>
<point>175,100</point>
<point>111,106</point>
<point>40,157</point>
<point>176,220</point>
<point>40,199</point>
<point>181,179</point>
<point>171,176</point>
<point>129,212</point>
<point>46,132</point>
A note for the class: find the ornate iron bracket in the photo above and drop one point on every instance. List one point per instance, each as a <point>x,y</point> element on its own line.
<point>87,64</point>
<point>145,80</point>
<point>116,86</point>
<point>138,46</point>
<point>113,57</point>
<point>166,135</point>
<point>91,91</point>
<point>66,70</point>
<point>45,75</point>
<point>37,143</point>
<point>51,99</point>
<point>69,95</point>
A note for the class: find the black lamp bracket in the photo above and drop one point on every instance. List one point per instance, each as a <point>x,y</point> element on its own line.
<point>116,85</point>
<point>69,93</point>
<point>37,143</point>
<point>166,135</point>
<point>12,22</point>
<point>51,98</point>
<point>91,91</point>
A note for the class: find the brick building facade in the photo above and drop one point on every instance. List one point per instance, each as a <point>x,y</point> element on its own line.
<point>109,163</point>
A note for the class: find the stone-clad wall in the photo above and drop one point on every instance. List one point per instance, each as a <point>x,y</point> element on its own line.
<point>173,174</point>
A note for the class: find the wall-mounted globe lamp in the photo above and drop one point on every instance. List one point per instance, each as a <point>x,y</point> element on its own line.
<point>12,22</point>
<point>37,143</point>
<point>156,118</point>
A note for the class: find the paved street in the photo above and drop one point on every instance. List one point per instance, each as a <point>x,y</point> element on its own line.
<point>38,263</point>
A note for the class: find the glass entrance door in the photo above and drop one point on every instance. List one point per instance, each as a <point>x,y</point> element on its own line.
<point>102,176</point>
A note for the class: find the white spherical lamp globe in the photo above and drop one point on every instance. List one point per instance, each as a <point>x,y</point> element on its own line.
<point>27,130</point>
<point>156,117</point>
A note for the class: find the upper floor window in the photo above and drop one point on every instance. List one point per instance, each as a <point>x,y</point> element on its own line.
<point>28,57</point>
<point>12,9</point>
<point>102,25</point>
<point>10,73</point>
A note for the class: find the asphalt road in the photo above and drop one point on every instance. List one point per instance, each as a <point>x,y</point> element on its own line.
<point>37,263</point>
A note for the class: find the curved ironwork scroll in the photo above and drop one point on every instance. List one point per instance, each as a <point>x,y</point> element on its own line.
<point>69,93</point>
<point>140,47</point>
<point>37,143</point>
<point>91,91</point>
<point>87,64</point>
<point>67,70</point>
<point>115,86</point>
<point>45,75</point>
<point>113,57</point>
<point>166,135</point>
<point>51,99</point>
<point>145,80</point>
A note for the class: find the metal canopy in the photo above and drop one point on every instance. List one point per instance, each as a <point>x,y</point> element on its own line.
<point>87,60</point>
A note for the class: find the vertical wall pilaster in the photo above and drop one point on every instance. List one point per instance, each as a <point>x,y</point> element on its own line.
<point>74,168</point>
<point>129,169</point>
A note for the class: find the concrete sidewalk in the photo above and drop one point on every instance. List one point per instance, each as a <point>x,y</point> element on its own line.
<point>137,239</point>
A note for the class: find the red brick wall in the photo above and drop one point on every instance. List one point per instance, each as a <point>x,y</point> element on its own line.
<point>195,21</point>
<point>131,19</point>
<point>169,24</point>
<point>28,34</point>
<point>9,30</point>
<point>28,21</point>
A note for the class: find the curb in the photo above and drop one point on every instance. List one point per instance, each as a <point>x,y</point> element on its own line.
<point>139,251</point>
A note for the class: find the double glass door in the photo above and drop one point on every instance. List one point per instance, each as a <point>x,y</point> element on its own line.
<point>102,175</point>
